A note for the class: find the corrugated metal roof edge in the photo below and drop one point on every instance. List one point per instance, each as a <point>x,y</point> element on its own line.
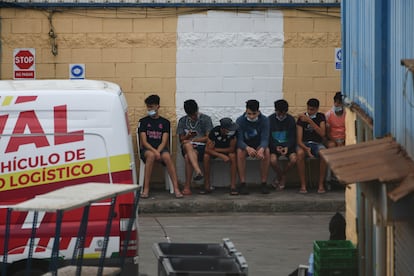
<point>165,5</point>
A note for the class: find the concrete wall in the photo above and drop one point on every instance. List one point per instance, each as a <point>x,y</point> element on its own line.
<point>266,55</point>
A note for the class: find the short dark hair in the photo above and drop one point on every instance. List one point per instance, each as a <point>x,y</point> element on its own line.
<point>190,107</point>
<point>313,102</point>
<point>338,97</point>
<point>253,105</point>
<point>281,105</point>
<point>153,99</point>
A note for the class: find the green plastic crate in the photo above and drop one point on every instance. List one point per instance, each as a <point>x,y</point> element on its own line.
<point>336,263</point>
<point>334,249</point>
<point>336,272</point>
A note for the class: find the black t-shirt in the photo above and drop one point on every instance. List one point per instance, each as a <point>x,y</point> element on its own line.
<point>309,133</point>
<point>154,129</point>
<point>220,141</point>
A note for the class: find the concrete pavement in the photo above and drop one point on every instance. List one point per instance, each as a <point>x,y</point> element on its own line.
<point>274,244</point>
<point>289,200</point>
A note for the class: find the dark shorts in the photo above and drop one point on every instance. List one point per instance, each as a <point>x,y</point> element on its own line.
<point>142,154</point>
<point>199,148</point>
<point>315,147</point>
<point>273,151</point>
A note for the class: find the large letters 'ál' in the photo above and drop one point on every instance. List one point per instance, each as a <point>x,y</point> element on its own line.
<point>37,136</point>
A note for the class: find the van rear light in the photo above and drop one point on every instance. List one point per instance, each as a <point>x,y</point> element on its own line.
<point>125,212</point>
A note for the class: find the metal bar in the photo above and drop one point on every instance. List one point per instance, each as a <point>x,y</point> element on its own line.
<point>6,242</point>
<point>130,224</point>
<point>81,239</point>
<point>111,214</point>
<point>31,244</point>
<point>53,266</point>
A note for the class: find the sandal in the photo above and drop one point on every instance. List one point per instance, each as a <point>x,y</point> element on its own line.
<point>179,195</point>
<point>205,191</point>
<point>233,192</point>
<point>303,191</point>
<point>186,192</point>
<point>144,195</point>
<point>198,177</point>
<point>276,183</point>
<point>321,191</point>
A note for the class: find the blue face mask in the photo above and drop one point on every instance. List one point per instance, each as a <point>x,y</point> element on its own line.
<point>338,109</point>
<point>151,113</point>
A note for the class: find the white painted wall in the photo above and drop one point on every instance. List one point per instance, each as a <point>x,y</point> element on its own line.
<point>226,58</point>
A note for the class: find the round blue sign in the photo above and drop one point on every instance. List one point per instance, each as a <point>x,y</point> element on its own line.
<point>77,71</point>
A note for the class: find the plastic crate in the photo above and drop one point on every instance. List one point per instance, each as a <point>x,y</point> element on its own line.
<point>336,263</point>
<point>165,249</point>
<point>201,266</point>
<point>334,249</point>
<point>336,272</point>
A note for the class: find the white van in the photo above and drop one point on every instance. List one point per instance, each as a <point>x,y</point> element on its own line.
<point>56,133</point>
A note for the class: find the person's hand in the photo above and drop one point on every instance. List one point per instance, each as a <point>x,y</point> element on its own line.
<point>157,155</point>
<point>251,152</point>
<point>279,149</point>
<point>304,118</point>
<point>260,153</point>
<point>225,158</point>
<point>308,152</point>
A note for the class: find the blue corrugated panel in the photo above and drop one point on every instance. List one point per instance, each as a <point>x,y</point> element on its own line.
<point>401,83</point>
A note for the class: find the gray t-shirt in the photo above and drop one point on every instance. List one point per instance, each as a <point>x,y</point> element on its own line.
<point>202,126</point>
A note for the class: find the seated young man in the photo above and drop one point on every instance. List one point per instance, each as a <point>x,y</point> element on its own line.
<point>282,141</point>
<point>253,141</point>
<point>310,132</point>
<point>192,131</point>
<point>335,123</point>
<point>221,144</point>
<point>154,135</point>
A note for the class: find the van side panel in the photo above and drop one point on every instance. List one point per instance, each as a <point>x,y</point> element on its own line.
<point>56,133</point>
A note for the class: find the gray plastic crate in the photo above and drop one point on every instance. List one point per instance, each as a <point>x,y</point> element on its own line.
<point>204,266</point>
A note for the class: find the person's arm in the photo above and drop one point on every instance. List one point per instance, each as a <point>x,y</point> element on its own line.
<point>183,137</point>
<point>231,148</point>
<point>319,130</point>
<point>291,133</point>
<point>240,139</point>
<point>264,136</point>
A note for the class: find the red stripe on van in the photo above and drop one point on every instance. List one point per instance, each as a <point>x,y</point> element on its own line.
<point>25,99</point>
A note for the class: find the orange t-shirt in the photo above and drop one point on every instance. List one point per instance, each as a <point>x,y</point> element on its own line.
<point>336,124</point>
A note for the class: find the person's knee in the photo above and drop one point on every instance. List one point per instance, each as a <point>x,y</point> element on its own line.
<point>293,158</point>
<point>300,154</point>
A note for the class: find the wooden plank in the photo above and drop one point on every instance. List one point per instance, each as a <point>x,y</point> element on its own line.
<point>367,152</point>
<point>86,271</point>
<point>405,187</point>
<point>91,191</point>
<point>72,197</point>
<point>50,204</point>
<point>358,146</point>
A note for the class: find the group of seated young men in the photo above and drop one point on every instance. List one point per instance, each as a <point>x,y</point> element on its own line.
<point>253,135</point>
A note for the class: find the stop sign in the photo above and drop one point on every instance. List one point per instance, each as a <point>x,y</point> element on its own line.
<point>24,59</point>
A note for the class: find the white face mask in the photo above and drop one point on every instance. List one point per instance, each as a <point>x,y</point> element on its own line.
<point>281,118</point>
<point>231,133</point>
<point>151,113</point>
<point>252,120</point>
<point>311,116</point>
<point>338,109</point>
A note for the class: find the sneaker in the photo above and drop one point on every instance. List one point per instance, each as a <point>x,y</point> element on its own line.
<point>265,189</point>
<point>243,190</point>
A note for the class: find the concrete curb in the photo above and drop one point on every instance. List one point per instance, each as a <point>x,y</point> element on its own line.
<point>220,201</point>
